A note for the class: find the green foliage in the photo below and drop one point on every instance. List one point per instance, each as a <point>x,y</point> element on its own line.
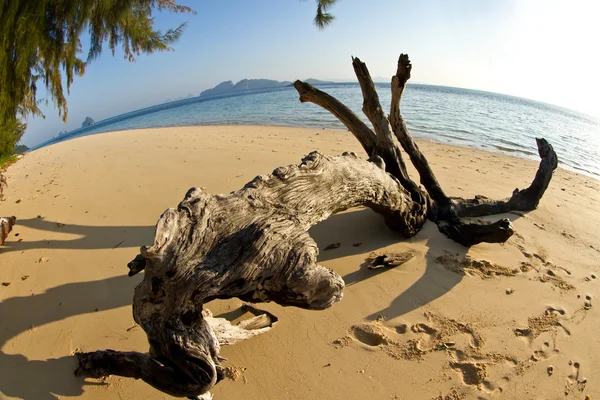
<point>5,161</point>
<point>11,131</point>
<point>40,44</point>
<point>323,18</point>
<point>40,41</point>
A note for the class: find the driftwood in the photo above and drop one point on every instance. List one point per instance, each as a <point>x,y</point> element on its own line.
<point>253,244</point>
<point>386,260</point>
<point>6,224</point>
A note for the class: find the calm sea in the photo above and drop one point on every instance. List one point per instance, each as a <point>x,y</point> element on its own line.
<point>462,117</point>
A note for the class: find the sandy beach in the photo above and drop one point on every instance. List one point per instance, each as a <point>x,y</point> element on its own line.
<point>512,321</point>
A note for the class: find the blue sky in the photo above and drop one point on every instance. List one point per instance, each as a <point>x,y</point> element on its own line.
<point>545,50</point>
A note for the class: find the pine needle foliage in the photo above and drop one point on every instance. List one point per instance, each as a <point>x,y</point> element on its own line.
<point>40,45</point>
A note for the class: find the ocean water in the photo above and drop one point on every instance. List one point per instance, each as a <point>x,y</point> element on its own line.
<point>469,118</point>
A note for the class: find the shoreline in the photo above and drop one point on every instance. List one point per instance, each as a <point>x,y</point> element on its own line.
<point>530,155</point>
<point>85,206</point>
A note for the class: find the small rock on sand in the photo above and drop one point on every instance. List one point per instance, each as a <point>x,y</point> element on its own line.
<point>332,246</point>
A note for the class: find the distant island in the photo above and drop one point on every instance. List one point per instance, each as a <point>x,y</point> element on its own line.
<point>88,121</point>
<point>250,84</point>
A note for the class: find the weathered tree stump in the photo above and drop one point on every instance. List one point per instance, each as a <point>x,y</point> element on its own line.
<point>253,244</point>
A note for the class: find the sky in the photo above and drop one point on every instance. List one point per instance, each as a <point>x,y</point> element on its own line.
<point>544,50</point>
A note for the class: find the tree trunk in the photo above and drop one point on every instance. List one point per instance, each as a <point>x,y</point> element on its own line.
<point>253,244</point>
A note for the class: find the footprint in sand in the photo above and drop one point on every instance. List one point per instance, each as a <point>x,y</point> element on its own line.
<point>473,373</point>
<point>436,334</point>
<point>546,322</point>
<point>427,341</point>
<point>575,381</point>
<point>401,329</point>
<point>574,375</point>
<point>588,302</point>
<point>459,341</point>
<point>556,280</point>
<point>370,334</point>
<point>481,268</point>
<point>547,350</point>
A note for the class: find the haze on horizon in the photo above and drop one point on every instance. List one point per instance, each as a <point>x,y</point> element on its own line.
<point>541,50</point>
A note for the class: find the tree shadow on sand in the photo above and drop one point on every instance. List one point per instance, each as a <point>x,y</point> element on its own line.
<point>90,237</point>
<point>436,280</point>
<point>44,379</point>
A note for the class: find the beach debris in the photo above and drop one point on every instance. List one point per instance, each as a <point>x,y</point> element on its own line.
<point>6,225</point>
<point>332,246</point>
<point>510,291</point>
<point>24,277</point>
<point>5,283</point>
<point>550,370</point>
<point>60,225</point>
<point>356,244</point>
<point>43,259</point>
<point>260,322</point>
<point>118,244</point>
<point>18,201</point>
<point>389,259</point>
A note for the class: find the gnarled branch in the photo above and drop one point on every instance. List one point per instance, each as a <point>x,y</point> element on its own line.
<point>428,179</point>
<point>361,131</point>
<point>386,146</point>
<point>521,200</point>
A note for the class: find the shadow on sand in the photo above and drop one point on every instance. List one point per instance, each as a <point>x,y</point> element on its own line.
<point>90,237</point>
<point>43,379</point>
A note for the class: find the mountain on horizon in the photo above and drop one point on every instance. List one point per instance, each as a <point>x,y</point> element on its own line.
<point>249,84</point>
<point>243,85</point>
